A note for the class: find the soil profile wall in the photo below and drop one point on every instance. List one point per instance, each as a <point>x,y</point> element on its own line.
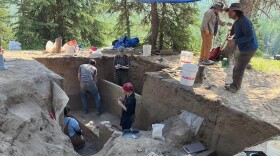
<point>110,93</point>
<point>67,67</point>
<point>224,130</point>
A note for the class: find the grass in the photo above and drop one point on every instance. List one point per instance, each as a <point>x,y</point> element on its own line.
<point>265,65</point>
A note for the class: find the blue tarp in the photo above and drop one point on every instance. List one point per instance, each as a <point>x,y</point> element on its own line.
<point>126,42</point>
<point>167,1</point>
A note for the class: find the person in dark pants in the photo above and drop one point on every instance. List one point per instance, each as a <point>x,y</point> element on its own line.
<point>128,105</point>
<point>87,76</point>
<point>122,65</point>
<point>72,129</point>
<point>245,38</point>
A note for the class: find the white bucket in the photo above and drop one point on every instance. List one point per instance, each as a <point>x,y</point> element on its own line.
<point>70,50</point>
<point>147,49</point>
<point>273,148</point>
<point>188,74</point>
<point>186,57</point>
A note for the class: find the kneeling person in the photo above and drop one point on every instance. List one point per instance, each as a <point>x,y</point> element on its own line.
<point>72,129</point>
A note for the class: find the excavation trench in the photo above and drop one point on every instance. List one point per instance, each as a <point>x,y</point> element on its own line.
<point>159,97</point>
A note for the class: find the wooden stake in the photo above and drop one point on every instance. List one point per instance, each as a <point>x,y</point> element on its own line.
<point>200,74</point>
<point>58,45</point>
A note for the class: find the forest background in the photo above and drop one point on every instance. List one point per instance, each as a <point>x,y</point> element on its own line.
<point>98,23</point>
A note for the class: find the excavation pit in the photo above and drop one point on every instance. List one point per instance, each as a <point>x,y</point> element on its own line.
<point>228,128</point>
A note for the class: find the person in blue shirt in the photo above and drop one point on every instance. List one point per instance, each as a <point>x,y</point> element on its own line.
<point>246,40</point>
<point>72,129</point>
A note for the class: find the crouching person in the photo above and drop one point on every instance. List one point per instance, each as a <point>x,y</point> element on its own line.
<point>72,129</point>
<point>128,105</point>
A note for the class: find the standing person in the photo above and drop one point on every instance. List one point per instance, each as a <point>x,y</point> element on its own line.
<point>87,76</point>
<point>246,40</point>
<point>122,65</point>
<point>209,29</point>
<point>128,105</point>
<point>72,129</point>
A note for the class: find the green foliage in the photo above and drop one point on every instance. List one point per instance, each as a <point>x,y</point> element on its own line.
<point>43,20</point>
<point>5,30</point>
<point>269,30</point>
<point>265,65</point>
<point>175,29</point>
<point>124,10</point>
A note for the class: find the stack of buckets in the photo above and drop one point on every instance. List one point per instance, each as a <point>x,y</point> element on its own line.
<point>189,70</point>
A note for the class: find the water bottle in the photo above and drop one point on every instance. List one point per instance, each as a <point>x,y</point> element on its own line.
<point>224,62</point>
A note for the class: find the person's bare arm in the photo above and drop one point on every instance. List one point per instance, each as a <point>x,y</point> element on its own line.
<point>95,78</point>
<point>120,103</point>
<point>79,76</point>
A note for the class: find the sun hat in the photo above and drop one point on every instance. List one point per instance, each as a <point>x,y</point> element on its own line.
<point>235,6</point>
<point>218,5</point>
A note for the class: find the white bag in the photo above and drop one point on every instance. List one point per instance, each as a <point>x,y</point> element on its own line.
<point>193,120</point>
<point>60,100</point>
<point>157,132</point>
<point>49,47</point>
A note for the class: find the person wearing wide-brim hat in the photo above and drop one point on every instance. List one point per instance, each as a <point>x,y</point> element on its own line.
<point>246,40</point>
<point>209,29</point>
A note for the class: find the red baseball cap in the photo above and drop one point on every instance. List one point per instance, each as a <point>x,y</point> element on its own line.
<point>128,87</point>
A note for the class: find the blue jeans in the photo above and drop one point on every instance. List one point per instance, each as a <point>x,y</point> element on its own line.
<point>92,89</point>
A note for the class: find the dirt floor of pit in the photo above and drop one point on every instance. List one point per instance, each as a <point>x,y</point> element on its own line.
<point>92,121</point>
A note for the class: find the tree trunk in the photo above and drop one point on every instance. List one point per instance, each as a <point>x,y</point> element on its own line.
<point>163,13</point>
<point>247,7</point>
<point>127,22</point>
<point>60,20</point>
<point>154,24</point>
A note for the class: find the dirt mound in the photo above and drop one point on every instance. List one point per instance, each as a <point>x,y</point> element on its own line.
<point>177,132</point>
<point>25,126</point>
<point>143,146</point>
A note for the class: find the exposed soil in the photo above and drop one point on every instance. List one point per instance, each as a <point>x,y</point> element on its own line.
<point>25,125</point>
<point>258,99</point>
<point>259,96</point>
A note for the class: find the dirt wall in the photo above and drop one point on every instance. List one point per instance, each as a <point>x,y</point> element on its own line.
<point>225,130</point>
<point>67,67</point>
<point>25,99</point>
<point>110,93</point>
<point>139,66</point>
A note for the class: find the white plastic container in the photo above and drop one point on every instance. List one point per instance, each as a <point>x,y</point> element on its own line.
<point>2,65</point>
<point>188,74</point>
<point>147,49</point>
<point>186,57</point>
<point>70,50</point>
<point>273,148</point>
